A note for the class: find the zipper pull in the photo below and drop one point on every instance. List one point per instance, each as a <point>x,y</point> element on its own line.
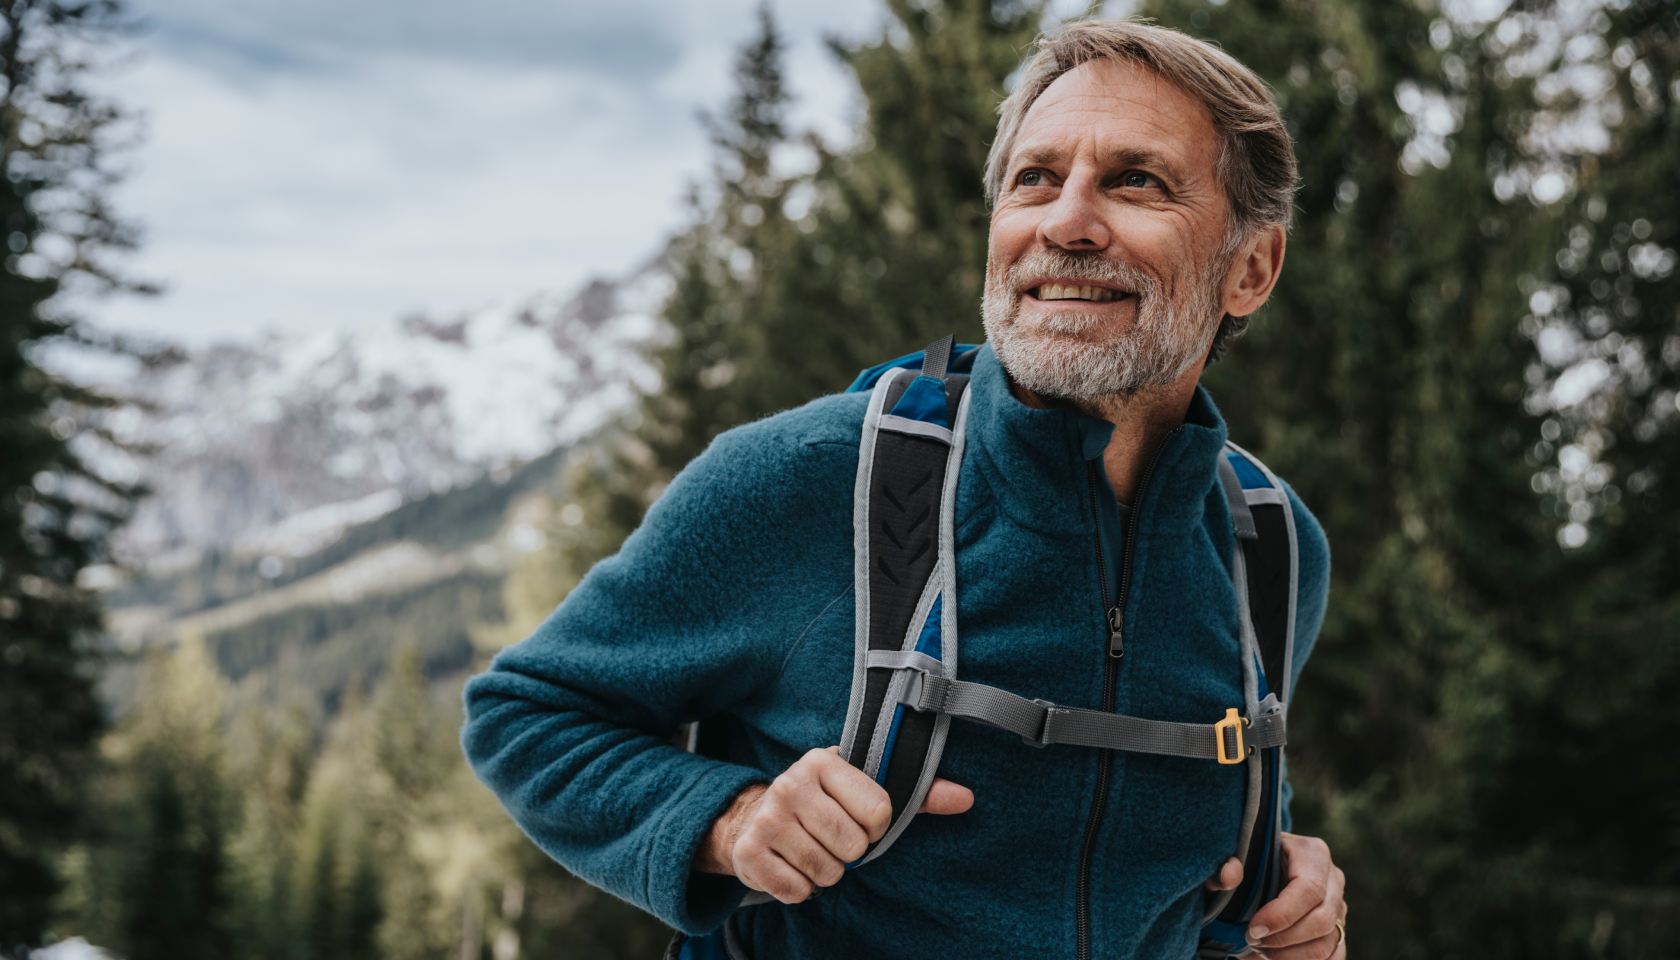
<point>1116,642</point>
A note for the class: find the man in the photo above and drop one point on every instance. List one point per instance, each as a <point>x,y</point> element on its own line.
<point>1141,184</point>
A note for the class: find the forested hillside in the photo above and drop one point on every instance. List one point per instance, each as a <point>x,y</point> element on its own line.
<point>426,573</point>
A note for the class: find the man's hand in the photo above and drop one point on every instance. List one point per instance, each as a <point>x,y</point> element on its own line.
<point>798,833</point>
<point>1301,923</point>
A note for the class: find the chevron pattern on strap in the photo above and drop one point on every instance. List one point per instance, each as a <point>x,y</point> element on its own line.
<point>1041,723</point>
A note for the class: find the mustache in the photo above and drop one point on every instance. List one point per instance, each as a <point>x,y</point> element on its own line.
<point>1080,266</point>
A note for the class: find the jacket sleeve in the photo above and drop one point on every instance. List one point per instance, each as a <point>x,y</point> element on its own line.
<point>1312,598</point>
<point>570,727</point>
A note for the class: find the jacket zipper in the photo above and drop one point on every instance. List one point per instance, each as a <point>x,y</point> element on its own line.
<point>1114,616</point>
<point>1111,611</point>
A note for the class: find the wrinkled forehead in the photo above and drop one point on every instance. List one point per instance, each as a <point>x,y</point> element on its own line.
<point>1113,110</point>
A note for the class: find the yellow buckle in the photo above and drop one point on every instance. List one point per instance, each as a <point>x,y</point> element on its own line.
<point>1231,722</point>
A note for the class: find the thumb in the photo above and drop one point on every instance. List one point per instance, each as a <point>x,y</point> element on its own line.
<point>1228,876</point>
<point>945,797</point>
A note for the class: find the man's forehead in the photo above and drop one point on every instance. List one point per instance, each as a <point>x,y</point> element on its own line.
<point>1129,112</point>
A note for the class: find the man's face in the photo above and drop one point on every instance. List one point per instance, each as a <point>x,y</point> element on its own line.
<point>1107,257</point>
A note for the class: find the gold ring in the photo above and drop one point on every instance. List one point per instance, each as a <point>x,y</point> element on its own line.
<point>1341,931</point>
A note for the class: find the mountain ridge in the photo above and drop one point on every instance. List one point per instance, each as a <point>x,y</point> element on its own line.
<point>249,436</point>
<point>302,578</point>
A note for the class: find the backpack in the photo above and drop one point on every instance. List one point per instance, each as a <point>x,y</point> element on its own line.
<point>905,690</point>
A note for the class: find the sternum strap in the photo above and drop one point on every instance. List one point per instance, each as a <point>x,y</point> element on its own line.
<point>1042,723</point>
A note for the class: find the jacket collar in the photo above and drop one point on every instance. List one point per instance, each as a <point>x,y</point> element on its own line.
<point>1035,461</point>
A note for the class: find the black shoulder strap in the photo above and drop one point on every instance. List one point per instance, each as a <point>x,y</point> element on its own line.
<point>1266,565</point>
<point>908,457</point>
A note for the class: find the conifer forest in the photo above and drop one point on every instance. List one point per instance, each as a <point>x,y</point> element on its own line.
<point>1470,371</point>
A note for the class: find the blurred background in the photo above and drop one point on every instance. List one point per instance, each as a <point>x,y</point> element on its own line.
<point>337,342</point>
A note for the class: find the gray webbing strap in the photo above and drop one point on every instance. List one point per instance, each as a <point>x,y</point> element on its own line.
<point>1042,723</point>
<point>914,428</point>
<point>904,660</point>
<point>1242,520</point>
<point>937,356</point>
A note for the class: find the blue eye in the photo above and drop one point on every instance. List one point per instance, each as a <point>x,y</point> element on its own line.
<point>1137,179</point>
<point>1032,178</point>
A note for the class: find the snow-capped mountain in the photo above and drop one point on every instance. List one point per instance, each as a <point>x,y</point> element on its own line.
<point>278,444</point>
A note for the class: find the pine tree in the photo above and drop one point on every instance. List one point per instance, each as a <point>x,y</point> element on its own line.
<point>1604,314</point>
<point>156,882</point>
<point>792,284</point>
<point>272,761</point>
<point>54,511</point>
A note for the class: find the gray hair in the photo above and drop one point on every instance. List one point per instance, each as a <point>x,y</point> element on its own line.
<point>1256,161</point>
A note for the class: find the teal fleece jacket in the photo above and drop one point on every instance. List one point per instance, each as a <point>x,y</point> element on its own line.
<point>735,597</point>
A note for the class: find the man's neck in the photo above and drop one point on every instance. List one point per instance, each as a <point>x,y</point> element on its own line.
<point>1141,421</point>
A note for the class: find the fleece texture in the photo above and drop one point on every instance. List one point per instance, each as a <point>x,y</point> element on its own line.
<point>735,597</point>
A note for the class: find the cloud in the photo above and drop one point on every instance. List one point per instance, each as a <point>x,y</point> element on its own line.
<point>624,39</point>
<point>309,165</point>
<point>422,183</point>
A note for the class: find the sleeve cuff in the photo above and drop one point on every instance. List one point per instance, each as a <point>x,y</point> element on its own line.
<point>696,903</point>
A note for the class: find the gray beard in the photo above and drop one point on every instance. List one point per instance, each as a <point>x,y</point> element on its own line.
<point>1050,355</point>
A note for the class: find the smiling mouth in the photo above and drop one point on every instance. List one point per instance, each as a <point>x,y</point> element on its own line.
<point>1068,291</point>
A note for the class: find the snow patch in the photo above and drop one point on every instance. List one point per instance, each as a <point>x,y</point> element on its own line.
<point>301,534</point>
<point>74,948</point>
<point>275,446</point>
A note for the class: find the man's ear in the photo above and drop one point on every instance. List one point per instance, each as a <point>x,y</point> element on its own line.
<point>1255,271</point>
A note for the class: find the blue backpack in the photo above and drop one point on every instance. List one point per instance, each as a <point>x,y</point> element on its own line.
<point>905,690</point>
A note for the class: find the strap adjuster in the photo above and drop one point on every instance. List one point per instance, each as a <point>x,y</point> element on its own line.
<point>1043,739</point>
<point>911,695</point>
<point>1234,724</point>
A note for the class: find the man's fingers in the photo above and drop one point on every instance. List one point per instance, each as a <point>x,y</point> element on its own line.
<point>1322,948</point>
<point>945,798</point>
<point>1229,876</point>
<point>767,872</point>
<point>1309,867</point>
<point>1317,927</point>
<point>778,855</point>
<point>1313,936</point>
<point>830,825</point>
<point>758,861</point>
<point>863,799</point>
<point>805,854</point>
<point>1299,898</point>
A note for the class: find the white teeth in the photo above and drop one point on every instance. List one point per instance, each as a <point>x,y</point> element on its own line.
<point>1058,291</point>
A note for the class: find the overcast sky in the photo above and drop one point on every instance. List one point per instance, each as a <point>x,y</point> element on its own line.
<point>309,163</point>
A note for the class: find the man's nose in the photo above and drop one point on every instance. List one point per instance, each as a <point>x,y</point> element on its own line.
<point>1074,221</point>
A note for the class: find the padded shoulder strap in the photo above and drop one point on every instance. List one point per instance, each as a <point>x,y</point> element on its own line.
<point>1265,570</point>
<point>1270,555</point>
<point>904,572</point>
